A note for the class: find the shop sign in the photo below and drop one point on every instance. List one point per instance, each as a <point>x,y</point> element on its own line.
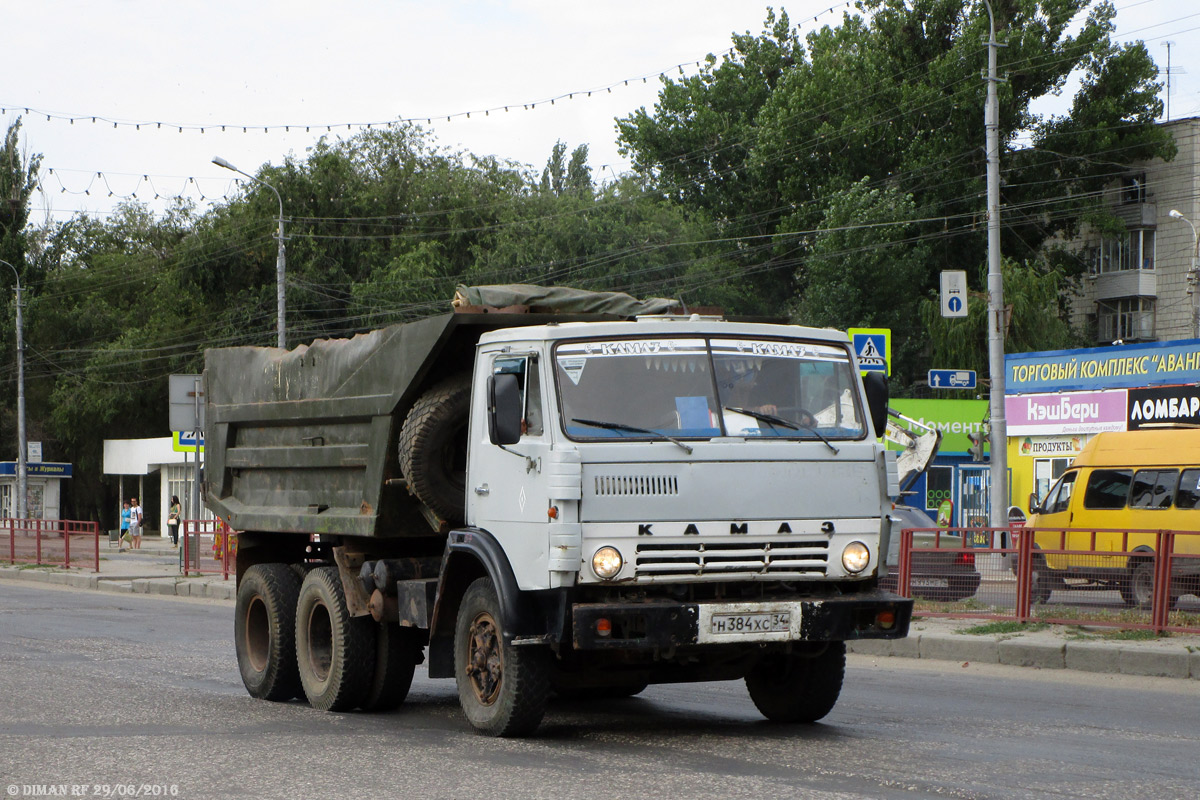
<point>1051,446</point>
<point>954,418</point>
<point>47,469</point>
<point>1065,412</point>
<point>1122,366</point>
<point>1160,406</point>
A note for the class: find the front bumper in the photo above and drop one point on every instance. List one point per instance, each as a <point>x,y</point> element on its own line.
<point>655,624</point>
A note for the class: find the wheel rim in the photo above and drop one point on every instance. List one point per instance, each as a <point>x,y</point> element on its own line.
<point>258,634</point>
<point>485,659</point>
<point>320,641</point>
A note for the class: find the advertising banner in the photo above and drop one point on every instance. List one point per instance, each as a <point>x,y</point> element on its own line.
<point>954,418</point>
<point>1162,406</point>
<point>1094,368</point>
<point>1065,412</point>
<point>1052,446</point>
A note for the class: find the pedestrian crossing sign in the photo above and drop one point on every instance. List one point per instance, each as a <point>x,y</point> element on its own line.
<point>873,348</point>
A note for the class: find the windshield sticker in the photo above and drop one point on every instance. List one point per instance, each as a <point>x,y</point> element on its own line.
<point>573,367</point>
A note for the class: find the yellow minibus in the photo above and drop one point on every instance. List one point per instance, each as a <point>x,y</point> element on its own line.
<point>1121,482</point>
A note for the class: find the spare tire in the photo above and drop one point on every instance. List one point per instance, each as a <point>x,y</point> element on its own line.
<point>433,448</point>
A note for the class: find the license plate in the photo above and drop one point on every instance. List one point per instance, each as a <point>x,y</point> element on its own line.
<point>751,623</point>
<point>929,583</point>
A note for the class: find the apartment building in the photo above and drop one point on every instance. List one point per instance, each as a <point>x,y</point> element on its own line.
<point>1140,285</point>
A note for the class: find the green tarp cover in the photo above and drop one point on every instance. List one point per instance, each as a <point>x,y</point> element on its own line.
<point>561,299</point>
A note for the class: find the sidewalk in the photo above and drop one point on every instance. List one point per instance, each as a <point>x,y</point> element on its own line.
<point>154,569</point>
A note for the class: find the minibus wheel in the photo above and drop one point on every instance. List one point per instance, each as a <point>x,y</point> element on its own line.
<point>1137,589</point>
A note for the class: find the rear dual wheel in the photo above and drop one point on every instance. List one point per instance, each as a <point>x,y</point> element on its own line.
<point>335,652</point>
<point>264,631</point>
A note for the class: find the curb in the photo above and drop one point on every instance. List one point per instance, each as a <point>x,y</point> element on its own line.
<point>1160,661</point>
<point>128,584</point>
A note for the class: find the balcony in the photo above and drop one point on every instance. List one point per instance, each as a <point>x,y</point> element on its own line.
<point>1137,215</point>
<point>1126,283</point>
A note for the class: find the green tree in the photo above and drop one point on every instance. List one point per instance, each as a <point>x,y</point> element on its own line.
<point>18,180</point>
<point>775,134</point>
<point>1033,293</point>
<point>863,266</point>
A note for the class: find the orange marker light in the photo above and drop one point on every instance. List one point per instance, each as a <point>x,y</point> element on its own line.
<point>603,627</point>
<point>552,512</point>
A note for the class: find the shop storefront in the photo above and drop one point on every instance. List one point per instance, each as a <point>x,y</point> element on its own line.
<point>1056,401</point>
<point>43,489</point>
<point>953,476</point>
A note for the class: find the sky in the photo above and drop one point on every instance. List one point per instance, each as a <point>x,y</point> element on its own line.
<point>265,64</point>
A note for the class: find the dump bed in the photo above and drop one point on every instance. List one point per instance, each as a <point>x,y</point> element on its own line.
<point>305,440</point>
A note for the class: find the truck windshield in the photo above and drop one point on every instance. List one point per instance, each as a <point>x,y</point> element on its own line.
<point>703,388</point>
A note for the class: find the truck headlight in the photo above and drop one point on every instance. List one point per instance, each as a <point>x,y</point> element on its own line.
<point>855,557</point>
<point>607,562</point>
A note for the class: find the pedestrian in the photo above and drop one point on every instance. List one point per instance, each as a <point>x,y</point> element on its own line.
<point>135,523</point>
<point>125,536</point>
<point>173,520</point>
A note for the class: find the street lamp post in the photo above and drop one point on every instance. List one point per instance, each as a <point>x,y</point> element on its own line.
<point>280,259</point>
<point>1194,273</point>
<point>22,458</point>
<point>998,494</point>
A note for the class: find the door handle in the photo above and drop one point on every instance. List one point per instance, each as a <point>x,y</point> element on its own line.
<point>482,490</point>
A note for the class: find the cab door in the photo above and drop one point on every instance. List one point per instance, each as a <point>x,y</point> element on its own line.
<point>507,487</point>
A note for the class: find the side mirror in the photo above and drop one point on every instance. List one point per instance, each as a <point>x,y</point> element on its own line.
<point>504,408</point>
<point>876,385</point>
<point>1034,506</point>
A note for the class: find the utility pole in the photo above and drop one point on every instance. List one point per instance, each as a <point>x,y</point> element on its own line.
<point>280,260</point>
<point>998,495</point>
<point>22,445</point>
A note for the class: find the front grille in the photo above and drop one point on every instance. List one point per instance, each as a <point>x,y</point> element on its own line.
<point>637,485</point>
<point>795,559</point>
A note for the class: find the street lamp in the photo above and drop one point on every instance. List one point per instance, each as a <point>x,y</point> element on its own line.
<point>1194,273</point>
<point>280,260</point>
<point>22,459</point>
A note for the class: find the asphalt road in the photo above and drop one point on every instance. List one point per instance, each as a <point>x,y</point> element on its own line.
<point>115,692</point>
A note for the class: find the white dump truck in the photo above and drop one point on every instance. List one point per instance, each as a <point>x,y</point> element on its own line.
<point>576,495</point>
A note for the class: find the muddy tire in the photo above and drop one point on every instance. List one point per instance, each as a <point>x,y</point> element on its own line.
<point>397,654</point>
<point>792,687</point>
<point>335,653</point>
<point>264,630</point>
<point>433,447</point>
<point>502,689</point>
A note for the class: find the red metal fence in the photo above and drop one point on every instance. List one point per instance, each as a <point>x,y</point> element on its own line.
<point>1137,579</point>
<point>207,546</point>
<point>50,542</point>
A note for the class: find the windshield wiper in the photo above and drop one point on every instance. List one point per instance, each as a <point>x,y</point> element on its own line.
<point>620,426</point>
<point>770,419</point>
<point>780,422</point>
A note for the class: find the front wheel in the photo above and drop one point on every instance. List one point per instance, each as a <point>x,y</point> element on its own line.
<point>502,689</point>
<point>795,687</point>
<point>1042,581</point>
